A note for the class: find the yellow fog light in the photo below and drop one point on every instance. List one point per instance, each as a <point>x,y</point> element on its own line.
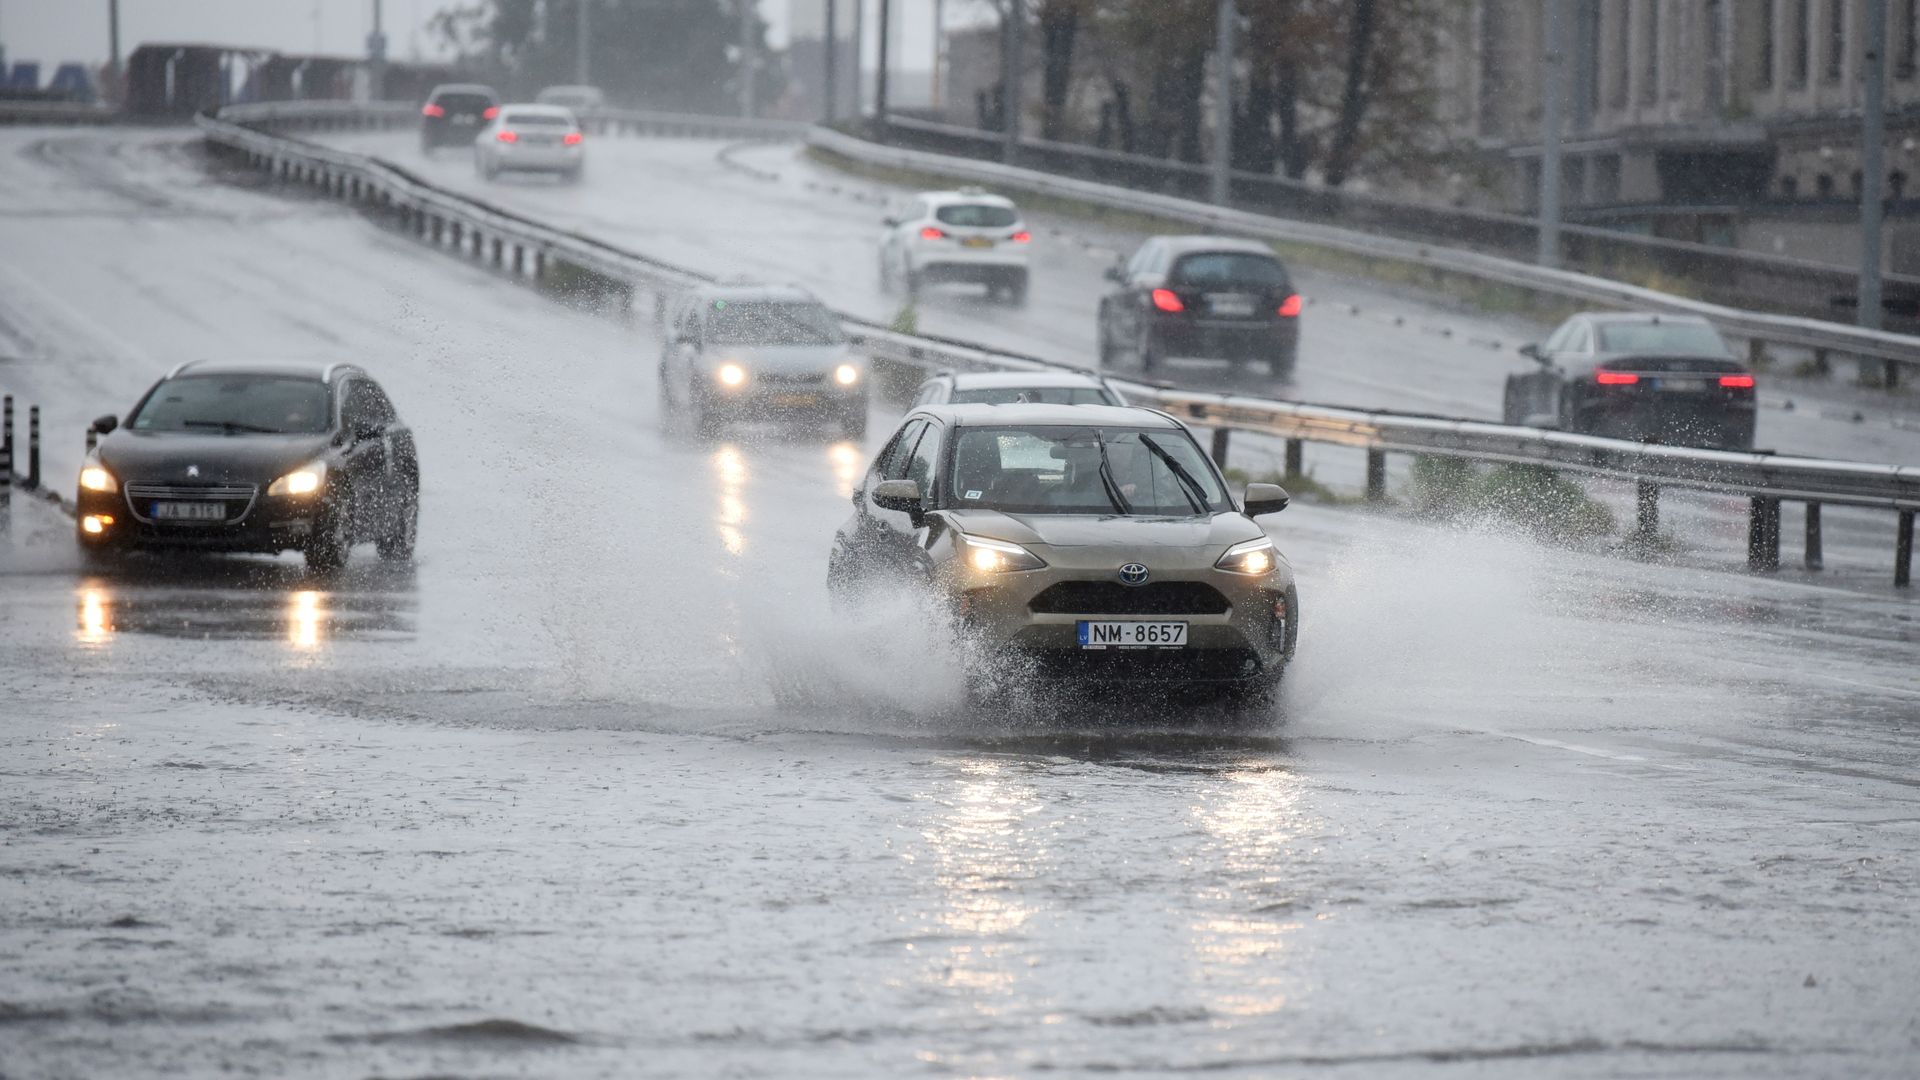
<point>95,478</point>
<point>846,374</point>
<point>95,524</point>
<point>732,374</point>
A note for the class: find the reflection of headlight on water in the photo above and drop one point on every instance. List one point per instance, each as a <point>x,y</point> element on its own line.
<point>304,616</point>
<point>96,618</point>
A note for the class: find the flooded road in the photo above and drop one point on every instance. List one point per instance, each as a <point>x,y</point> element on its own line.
<point>601,788</point>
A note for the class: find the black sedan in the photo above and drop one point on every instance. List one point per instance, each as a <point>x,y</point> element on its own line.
<point>261,457</point>
<point>1201,296</point>
<point>454,113</point>
<point>1646,377</point>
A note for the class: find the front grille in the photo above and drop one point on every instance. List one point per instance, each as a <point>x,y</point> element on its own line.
<point>1113,598</point>
<point>1170,665</point>
<point>790,380</point>
<point>237,497</point>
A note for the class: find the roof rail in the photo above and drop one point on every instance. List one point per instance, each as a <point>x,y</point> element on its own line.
<point>180,367</point>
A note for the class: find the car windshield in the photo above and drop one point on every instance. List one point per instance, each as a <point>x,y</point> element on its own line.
<point>534,119</point>
<point>734,322</point>
<point>1684,338</point>
<point>1038,395</point>
<point>1083,470</point>
<point>977,215</point>
<point>464,103</point>
<point>1225,269</point>
<point>236,405</point>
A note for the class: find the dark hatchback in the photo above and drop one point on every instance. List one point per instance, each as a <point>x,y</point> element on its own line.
<point>258,457</point>
<point>1201,296</point>
<point>454,114</point>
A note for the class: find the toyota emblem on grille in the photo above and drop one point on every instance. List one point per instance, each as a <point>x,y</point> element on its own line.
<point>1133,573</point>
<point>193,470</point>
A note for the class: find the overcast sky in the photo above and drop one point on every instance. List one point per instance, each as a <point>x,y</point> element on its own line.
<point>54,31</point>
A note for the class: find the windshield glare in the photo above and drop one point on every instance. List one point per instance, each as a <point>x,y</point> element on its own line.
<point>760,323</point>
<point>236,404</point>
<point>1035,395</point>
<point>1685,338</point>
<point>1057,470</point>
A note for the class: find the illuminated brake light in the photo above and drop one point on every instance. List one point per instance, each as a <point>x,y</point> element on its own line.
<point>1167,300</point>
<point>1737,382</point>
<point>430,109</point>
<point>931,233</point>
<point>1021,237</point>
<point>573,138</point>
<point>1290,307</point>
<point>507,136</point>
<point>491,112</point>
<point>1615,378</point>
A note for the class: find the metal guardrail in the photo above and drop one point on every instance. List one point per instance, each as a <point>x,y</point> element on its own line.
<point>387,115</point>
<point>1730,276</point>
<point>1758,328</point>
<point>55,112</point>
<point>528,248</point>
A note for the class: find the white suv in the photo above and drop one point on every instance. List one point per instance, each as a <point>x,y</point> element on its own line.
<point>964,235</point>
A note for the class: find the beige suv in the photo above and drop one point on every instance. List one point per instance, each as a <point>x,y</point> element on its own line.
<point>1076,542</point>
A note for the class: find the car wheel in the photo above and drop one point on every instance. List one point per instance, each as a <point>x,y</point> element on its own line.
<point>1566,414</point>
<point>1510,405</point>
<point>705,423</point>
<point>1149,357</point>
<point>396,545</point>
<point>1017,290</point>
<point>575,174</point>
<point>1105,346</point>
<point>913,282</point>
<point>331,543</point>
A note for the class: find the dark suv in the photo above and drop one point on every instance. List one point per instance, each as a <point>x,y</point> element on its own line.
<point>455,113</point>
<point>260,457</point>
<point>1201,296</point>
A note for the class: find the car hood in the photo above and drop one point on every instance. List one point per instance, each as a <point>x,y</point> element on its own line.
<point>783,359</point>
<point>163,457</point>
<point>1106,531</point>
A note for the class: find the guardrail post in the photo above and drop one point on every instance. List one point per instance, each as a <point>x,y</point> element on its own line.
<point>1822,362</point>
<point>459,236</point>
<point>439,229</point>
<point>33,448</point>
<point>1220,448</point>
<point>6,432</point>
<point>498,252</point>
<point>1816,555</point>
<point>1756,353</point>
<point>1903,551</point>
<point>539,266</point>
<point>1891,375</point>
<point>1646,512</point>
<point>1763,534</point>
<point>519,260</point>
<point>1376,475</point>
<point>1295,448</point>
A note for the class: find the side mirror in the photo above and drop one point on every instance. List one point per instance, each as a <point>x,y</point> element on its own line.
<point>1266,499</point>
<point>1115,274</point>
<point>890,221</point>
<point>105,424</point>
<point>366,431</point>
<point>1532,352</point>
<point>899,495</point>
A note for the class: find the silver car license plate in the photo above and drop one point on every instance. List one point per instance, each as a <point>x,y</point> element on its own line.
<point>1095,634</point>
<point>189,511</point>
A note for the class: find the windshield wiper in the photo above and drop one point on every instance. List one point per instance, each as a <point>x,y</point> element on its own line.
<point>1120,502</point>
<point>1188,485</point>
<point>232,426</point>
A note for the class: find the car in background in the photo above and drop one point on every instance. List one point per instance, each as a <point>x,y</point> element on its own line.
<point>254,456</point>
<point>760,352</point>
<point>1211,297</point>
<point>578,98</point>
<point>963,236</point>
<point>1075,544</point>
<point>1016,388</point>
<point>1646,376</point>
<point>531,138</point>
<point>454,113</point>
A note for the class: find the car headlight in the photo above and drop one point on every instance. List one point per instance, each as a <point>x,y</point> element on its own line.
<point>997,556</point>
<point>304,480</point>
<point>731,375</point>
<point>1253,558</point>
<point>846,374</point>
<point>96,478</point>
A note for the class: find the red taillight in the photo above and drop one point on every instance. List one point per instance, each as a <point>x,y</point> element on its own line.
<point>1737,382</point>
<point>1290,307</point>
<point>573,138</point>
<point>507,136</point>
<point>1167,300</point>
<point>1021,237</point>
<point>931,233</point>
<point>492,111</point>
<point>430,109</point>
<point>1615,378</point>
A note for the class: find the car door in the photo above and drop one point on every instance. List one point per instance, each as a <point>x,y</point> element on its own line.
<point>364,458</point>
<point>1570,357</point>
<point>864,535</point>
<point>905,550</point>
<point>399,460</point>
<point>1539,392</point>
<point>1137,288</point>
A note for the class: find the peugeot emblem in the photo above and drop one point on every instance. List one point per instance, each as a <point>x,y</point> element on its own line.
<point>193,470</point>
<point>1133,573</point>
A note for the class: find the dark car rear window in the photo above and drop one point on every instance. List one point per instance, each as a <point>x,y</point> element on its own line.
<point>1685,338</point>
<point>976,215</point>
<point>1222,269</point>
<point>464,103</point>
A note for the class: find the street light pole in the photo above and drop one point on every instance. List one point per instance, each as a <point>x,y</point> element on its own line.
<point>1011,80</point>
<point>832,86</point>
<point>746,58</point>
<point>582,34</point>
<point>1553,89</point>
<point>113,38</point>
<point>1873,166</point>
<point>1223,54</point>
<point>376,57</point>
<point>880,75</point>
